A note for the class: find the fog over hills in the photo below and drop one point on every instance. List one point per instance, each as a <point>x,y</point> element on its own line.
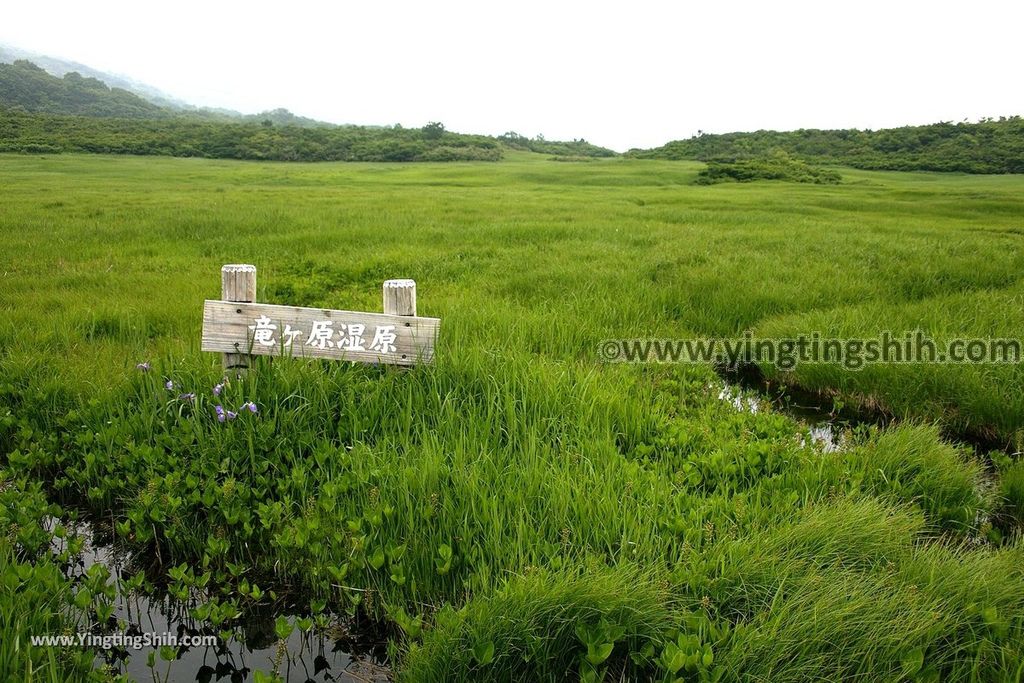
<point>61,67</point>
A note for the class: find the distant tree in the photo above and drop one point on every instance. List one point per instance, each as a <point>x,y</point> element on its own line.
<point>433,130</point>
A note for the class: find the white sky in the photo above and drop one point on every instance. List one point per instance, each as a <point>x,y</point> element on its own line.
<point>621,75</point>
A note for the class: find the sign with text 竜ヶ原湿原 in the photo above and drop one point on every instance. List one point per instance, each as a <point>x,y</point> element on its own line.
<point>273,330</point>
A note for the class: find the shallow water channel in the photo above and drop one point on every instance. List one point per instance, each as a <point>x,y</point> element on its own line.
<point>340,654</point>
<point>826,431</point>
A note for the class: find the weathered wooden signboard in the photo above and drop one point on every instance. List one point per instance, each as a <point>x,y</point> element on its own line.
<point>238,327</point>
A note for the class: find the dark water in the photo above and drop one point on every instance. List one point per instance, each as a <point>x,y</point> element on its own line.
<point>341,654</point>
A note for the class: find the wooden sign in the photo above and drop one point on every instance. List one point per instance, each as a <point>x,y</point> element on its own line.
<point>240,328</point>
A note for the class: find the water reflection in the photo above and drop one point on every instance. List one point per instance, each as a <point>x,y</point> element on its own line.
<point>339,654</point>
<point>823,431</point>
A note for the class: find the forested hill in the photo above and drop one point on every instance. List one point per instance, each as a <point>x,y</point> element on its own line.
<point>29,87</point>
<point>41,113</point>
<point>26,86</point>
<point>60,67</point>
<point>188,136</point>
<point>989,146</point>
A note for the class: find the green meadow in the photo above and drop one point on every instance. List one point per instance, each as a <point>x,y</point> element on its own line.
<point>520,510</point>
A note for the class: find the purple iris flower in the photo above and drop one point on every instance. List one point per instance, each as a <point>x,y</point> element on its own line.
<point>169,385</point>
<point>224,415</point>
<point>250,406</point>
<point>217,389</point>
<point>144,367</point>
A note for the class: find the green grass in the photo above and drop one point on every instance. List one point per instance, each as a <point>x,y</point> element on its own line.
<point>501,248</point>
<point>1011,492</point>
<point>519,509</point>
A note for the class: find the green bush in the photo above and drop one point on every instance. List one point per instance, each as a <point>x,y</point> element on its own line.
<point>193,136</point>
<point>777,166</point>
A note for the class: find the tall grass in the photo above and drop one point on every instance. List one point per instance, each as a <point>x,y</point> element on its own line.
<point>527,629</point>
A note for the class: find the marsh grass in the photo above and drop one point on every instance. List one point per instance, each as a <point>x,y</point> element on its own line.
<point>407,495</point>
<point>1011,493</point>
<point>517,488</point>
<point>531,623</point>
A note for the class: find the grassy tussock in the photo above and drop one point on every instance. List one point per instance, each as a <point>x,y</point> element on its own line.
<point>531,623</point>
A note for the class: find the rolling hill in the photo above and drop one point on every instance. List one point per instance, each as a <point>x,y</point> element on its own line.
<point>26,86</point>
<point>988,146</point>
<point>43,114</point>
<point>62,69</point>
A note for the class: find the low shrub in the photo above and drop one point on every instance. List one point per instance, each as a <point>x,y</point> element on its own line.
<point>776,166</point>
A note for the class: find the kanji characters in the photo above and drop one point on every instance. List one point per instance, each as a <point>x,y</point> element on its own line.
<point>320,337</point>
<point>263,331</point>
<point>384,339</point>
<point>347,337</point>
<point>354,341</point>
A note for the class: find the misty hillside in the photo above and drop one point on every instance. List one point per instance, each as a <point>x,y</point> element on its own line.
<point>45,101</point>
<point>68,107</point>
<point>60,67</point>
<point>40,113</point>
<point>25,86</point>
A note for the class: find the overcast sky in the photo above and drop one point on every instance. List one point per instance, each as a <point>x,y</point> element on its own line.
<point>621,75</point>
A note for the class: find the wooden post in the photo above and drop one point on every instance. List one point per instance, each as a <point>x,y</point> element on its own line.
<point>237,283</point>
<point>400,297</point>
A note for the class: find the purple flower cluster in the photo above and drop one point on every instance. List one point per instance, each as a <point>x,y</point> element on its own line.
<point>223,415</point>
